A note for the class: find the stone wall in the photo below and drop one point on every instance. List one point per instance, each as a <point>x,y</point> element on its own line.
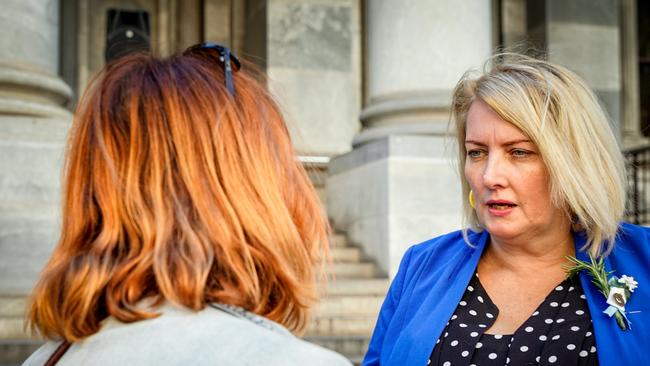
<point>314,70</point>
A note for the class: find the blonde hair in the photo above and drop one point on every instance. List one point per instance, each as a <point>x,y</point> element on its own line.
<point>176,190</point>
<point>562,116</point>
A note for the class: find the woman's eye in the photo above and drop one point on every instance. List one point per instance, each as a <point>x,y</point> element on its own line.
<point>474,153</point>
<point>519,153</point>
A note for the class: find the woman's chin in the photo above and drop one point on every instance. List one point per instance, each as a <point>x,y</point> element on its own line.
<point>503,230</point>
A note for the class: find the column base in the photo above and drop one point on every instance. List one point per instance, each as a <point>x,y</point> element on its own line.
<point>394,192</point>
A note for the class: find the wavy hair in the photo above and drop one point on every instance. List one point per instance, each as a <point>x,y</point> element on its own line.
<point>561,115</point>
<point>175,190</point>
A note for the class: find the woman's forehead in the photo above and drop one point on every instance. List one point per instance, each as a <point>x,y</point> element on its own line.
<point>485,124</point>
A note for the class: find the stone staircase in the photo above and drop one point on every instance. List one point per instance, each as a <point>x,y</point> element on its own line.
<point>346,315</point>
<point>15,343</point>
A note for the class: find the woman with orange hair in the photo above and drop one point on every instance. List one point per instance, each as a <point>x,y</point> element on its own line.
<point>191,234</point>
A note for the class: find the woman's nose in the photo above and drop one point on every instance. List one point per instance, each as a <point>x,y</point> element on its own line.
<point>494,175</point>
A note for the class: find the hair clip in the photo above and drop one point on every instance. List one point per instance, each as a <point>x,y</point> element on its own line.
<point>226,57</point>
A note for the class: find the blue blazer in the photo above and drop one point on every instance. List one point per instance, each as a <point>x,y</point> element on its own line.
<point>434,275</point>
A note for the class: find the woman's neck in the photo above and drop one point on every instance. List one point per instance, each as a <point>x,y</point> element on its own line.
<point>540,253</point>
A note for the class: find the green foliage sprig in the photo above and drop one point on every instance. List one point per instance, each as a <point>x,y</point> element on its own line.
<point>601,279</point>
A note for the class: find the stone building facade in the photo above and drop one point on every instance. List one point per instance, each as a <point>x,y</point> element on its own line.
<point>365,85</point>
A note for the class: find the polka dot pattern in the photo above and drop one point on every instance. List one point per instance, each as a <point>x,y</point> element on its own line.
<point>559,332</point>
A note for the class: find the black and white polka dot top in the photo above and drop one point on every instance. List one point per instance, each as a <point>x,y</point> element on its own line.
<point>559,332</point>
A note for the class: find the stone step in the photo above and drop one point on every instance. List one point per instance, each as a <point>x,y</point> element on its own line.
<point>349,306</point>
<point>322,196</point>
<point>13,328</point>
<point>357,287</point>
<point>12,306</point>
<point>352,347</point>
<point>354,270</point>
<point>341,325</point>
<point>346,254</point>
<point>15,351</point>
<point>338,240</point>
<point>12,321</point>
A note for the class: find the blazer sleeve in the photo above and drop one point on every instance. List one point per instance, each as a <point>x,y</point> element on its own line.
<point>377,342</point>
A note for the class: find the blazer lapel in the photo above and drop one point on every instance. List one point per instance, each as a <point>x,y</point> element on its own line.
<point>614,346</point>
<point>437,306</point>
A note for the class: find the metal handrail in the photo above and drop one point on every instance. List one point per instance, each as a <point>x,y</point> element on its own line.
<point>637,164</point>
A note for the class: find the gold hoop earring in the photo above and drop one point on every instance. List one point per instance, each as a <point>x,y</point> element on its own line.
<point>471,199</point>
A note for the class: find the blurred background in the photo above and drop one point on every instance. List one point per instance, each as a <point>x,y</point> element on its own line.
<point>365,86</point>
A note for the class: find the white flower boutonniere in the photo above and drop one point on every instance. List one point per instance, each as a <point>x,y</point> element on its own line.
<point>629,282</point>
<point>616,290</point>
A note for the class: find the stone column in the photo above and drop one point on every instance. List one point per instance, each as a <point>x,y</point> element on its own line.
<point>513,23</point>
<point>33,125</point>
<point>631,116</point>
<point>583,35</point>
<point>399,186</point>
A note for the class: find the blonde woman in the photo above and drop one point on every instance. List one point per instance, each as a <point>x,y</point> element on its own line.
<point>191,234</point>
<point>543,181</point>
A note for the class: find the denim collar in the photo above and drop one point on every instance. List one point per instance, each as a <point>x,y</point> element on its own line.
<point>254,318</point>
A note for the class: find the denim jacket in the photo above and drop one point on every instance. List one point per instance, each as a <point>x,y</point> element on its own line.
<point>217,335</point>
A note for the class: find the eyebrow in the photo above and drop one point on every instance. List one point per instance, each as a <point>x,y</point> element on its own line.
<point>509,143</point>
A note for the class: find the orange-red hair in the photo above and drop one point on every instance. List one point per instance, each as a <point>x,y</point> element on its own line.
<point>175,190</point>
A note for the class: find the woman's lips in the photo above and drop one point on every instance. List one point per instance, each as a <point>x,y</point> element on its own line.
<point>500,207</point>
